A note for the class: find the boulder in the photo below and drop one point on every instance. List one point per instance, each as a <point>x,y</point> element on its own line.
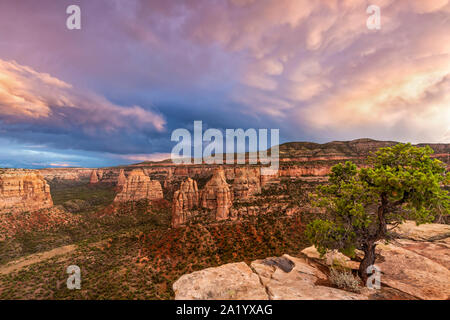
<point>281,278</point>
<point>298,281</point>
<point>233,281</point>
<point>331,258</point>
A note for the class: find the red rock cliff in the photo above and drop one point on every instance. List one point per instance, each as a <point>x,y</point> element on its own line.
<point>23,190</point>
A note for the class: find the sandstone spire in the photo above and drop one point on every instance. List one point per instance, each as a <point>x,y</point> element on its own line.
<point>94,177</point>
<point>121,180</point>
<point>217,195</point>
<point>184,200</point>
<point>139,186</point>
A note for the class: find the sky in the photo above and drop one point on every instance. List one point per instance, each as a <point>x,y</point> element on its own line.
<point>113,91</point>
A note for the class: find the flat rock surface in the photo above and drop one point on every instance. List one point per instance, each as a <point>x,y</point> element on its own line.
<point>299,283</point>
<point>423,232</point>
<point>266,279</point>
<point>331,258</point>
<point>413,273</point>
<point>415,266</point>
<point>230,281</point>
<point>436,251</point>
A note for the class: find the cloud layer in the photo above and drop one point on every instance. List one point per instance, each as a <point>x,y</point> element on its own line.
<point>38,100</point>
<point>139,69</point>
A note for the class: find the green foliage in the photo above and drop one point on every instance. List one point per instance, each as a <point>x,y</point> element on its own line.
<point>401,182</point>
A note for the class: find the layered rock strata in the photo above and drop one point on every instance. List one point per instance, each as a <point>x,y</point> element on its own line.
<point>246,182</point>
<point>139,186</point>
<point>184,200</point>
<point>121,179</point>
<point>217,195</point>
<point>94,177</point>
<point>23,190</point>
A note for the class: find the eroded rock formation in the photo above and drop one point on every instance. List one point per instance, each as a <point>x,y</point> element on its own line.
<point>217,196</point>
<point>23,190</point>
<point>139,186</point>
<point>121,180</point>
<point>247,182</point>
<point>184,200</point>
<point>94,177</point>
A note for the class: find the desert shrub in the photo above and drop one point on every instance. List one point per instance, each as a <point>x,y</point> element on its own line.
<point>344,279</point>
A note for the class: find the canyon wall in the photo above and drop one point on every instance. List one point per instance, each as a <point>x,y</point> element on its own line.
<point>70,174</point>
<point>23,190</point>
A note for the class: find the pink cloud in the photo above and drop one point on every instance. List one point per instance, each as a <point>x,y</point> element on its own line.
<point>27,95</point>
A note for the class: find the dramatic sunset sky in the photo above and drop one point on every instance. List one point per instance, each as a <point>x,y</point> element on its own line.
<point>112,92</point>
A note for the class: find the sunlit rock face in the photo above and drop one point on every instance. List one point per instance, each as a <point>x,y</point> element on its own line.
<point>94,177</point>
<point>280,278</point>
<point>184,200</point>
<point>66,174</point>
<point>217,195</point>
<point>139,186</point>
<point>122,179</point>
<point>247,182</point>
<point>23,190</point>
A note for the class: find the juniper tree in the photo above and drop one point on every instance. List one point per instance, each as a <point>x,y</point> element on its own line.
<point>401,182</point>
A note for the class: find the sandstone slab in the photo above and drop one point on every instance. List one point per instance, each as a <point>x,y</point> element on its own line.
<point>413,273</point>
<point>423,232</point>
<point>230,281</point>
<point>438,252</point>
<point>184,200</point>
<point>331,258</point>
<point>300,283</point>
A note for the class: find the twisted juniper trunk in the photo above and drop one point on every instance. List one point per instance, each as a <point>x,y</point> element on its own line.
<point>368,260</point>
<point>369,246</point>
